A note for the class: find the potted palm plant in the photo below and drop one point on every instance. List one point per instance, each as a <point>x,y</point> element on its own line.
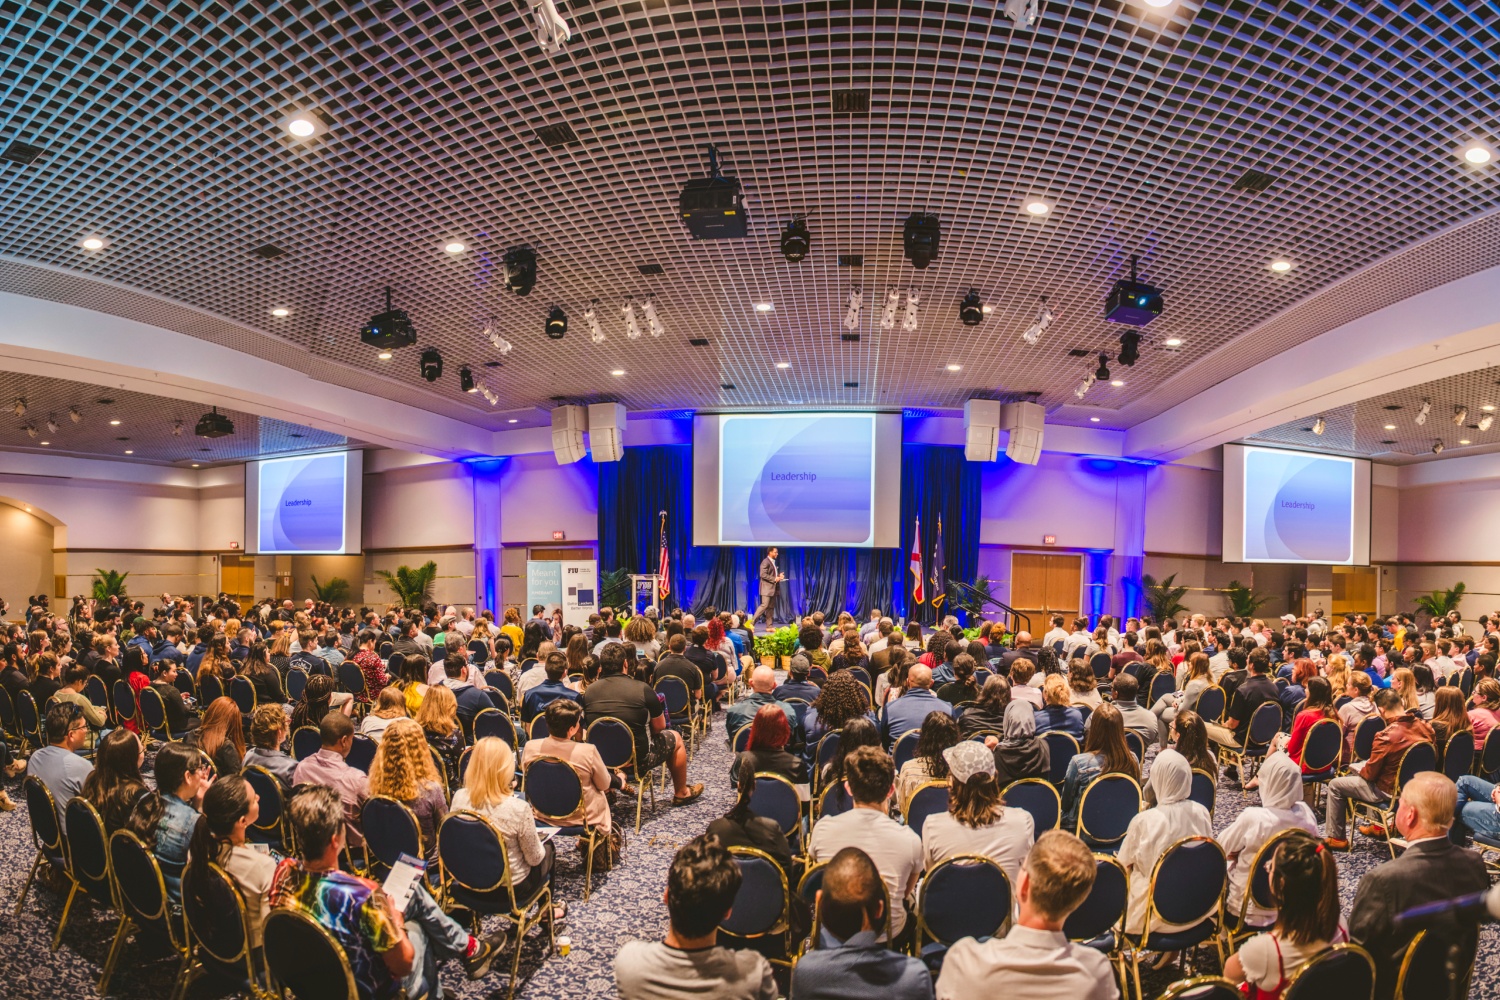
<point>412,587</point>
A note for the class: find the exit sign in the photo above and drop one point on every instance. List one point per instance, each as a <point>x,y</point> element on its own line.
<point>558,536</point>
<point>1049,539</point>
<point>234,545</point>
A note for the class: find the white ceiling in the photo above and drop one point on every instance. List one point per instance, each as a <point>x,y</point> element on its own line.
<point>160,129</point>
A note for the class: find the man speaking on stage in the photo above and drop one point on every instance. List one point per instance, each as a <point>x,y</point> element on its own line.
<point>769,578</point>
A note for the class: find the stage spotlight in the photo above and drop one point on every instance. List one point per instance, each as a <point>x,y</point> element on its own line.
<point>591,317</point>
<point>75,416</point>
<point>888,315</point>
<point>19,406</point>
<point>493,336</point>
<point>1044,318</point>
<point>1102,372</point>
<point>557,323</point>
<point>909,320</point>
<point>1437,446</point>
<point>1486,421</point>
<point>851,316</point>
<point>1131,301</point>
<point>1423,411</point>
<point>795,241</point>
<point>1460,415</point>
<point>1022,12</point>
<point>431,364</point>
<point>653,323</point>
<point>31,430</point>
<point>632,328</point>
<point>1085,385</point>
<point>1130,348</point>
<point>920,237</point>
<point>520,270</point>
<point>971,310</point>
<point>1319,426</point>
<point>52,426</point>
<point>466,379</point>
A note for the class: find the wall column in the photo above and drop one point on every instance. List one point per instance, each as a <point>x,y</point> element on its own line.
<point>486,477</point>
<point>1130,540</point>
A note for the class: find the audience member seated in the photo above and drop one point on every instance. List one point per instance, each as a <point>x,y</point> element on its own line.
<point>911,709</point>
<point>1305,885</point>
<point>318,699</point>
<point>58,764</point>
<point>46,682</point>
<point>1431,868</point>
<point>842,700</point>
<point>614,695</point>
<point>262,676</point>
<point>402,770</point>
<point>489,789</point>
<point>564,730</point>
<point>1256,689</point>
<point>438,718</point>
<point>469,699</point>
<point>743,712</point>
<point>391,954</point>
<point>217,662</point>
<point>1018,751</point>
<point>1198,680</point>
<point>168,818</point>
<point>1281,808</point>
<point>1104,752</point>
<point>962,688</point>
<point>852,964</point>
<point>230,805</point>
<point>1373,780</point>
<point>741,828</point>
<point>1057,713</point>
<point>1485,715</point>
<point>115,783</point>
<point>1084,686</point>
<point>797,685</point>
<point>554,687</point>
<point>1359,707</point>
<point>869,776</point>
<point>71,693</point>
<point>713,666</point>
<point>268,731</point>
<point>1036,960</point>
<point>977,820</point>
<point>860,732</point>
<point>987,713</point>
<point>766,751</point>
<point>938,733</point>
<point>105,663</point>
<point>1477,810</point>
<point>1191,740</point>
<point>369,663</point>
<point>389,706</point>
<point>1449,719</point>
<point>1319,706</point>
<point>180,719</point>
<point>221,736</point>
<point>701,887</point>
<point>1138,720</point>
<point>1152,831</point>
<point>675,664</point>
<point>329,767</point>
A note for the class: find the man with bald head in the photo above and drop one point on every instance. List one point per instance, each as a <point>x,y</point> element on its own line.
<point>742,712</point>
<point>1021,650</point>
<point>909,711</point>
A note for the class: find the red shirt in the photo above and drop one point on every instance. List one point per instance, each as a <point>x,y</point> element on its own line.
<point>375,676</point>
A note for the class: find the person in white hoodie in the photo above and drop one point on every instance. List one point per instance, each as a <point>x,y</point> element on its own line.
<point>1152,831</point>
<point>1281,808</point>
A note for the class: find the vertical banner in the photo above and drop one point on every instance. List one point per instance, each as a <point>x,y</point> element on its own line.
<point>543,586</point>
<point>580,591</point>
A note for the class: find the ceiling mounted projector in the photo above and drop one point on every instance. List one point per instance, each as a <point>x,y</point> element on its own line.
<point>214,425</point>
<point>920,239</point>
<point>713,207</point>
<point>520,270</point>
<point>390,329</point>
<point>1132,302</point>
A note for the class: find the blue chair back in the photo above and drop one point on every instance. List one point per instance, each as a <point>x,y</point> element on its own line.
<point>1418,757</point>
<point>215,915</point>
<point>304,958</point>
<point>675,693</point>
<point>817,675</point>
<point>153,711</point>
<point>1136,744</point>
<point>828,748</point>
<point>477,648</point>
<point>362,754</point>
<point>906,747</point>
<point>1188,881</point>
<point>93,689</point>
<point>306,742</point>
<point>1343,972</point>
<point>243,693</point>
<point>390,829</point>
<point>394,664</point>
<point>1205,790</point>
<point>352,678</point>
<point>553,789</point>
<point>1104,907</point>
<point>463,763</point>
<point>142,892</point>
<point>493,722</point>
<point>1059,646</point>
<point>760,906</point>
<point>1210,705</point>
<point>1061,749</point>
<point>863,676</point>
<point>296,683</point>
<point>500,681</point>
<point>1489,755</point>
<point>1458,756</point>
<point>386,650</point>
<point>184,682</point>
<point>88,849</point>
<point>1106,808</point>
<point>741,741</point>
<point>45,829</point>
<point>1320,752</point>
<point>1364,736</point>
<point>1038,798</point>
<point>964,896</point>
<point>538,727</point>
<point>981,675</point>
<point>473,855</point>
<point>1202,988</point>
<point>267,826</point>
<point>29,719</point>
<point>777,800</point>
<point>1466,681</point>
<point>1162,684</point>
<point>1265,723</point>
<point>212,689</point>
<point>613,739</point>
<point>124,701</point>
<point>1099,664</point>
<point>834,800</point>
<point>929,800</point>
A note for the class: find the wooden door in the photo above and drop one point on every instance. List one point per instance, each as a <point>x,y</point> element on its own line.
<point>1354,590</point>
<point>237,576</point>
<point>1046,582</point>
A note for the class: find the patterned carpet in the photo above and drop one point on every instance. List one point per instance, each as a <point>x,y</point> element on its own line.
<point>626,904</point>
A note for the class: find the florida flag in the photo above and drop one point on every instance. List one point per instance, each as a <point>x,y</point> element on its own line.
<point>917,594</point>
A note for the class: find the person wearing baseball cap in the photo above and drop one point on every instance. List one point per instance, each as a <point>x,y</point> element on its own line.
<point>977,821</point>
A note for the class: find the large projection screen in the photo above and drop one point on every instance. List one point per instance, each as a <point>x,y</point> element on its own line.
<point>1295,507</point>
<point>800,479</point>
<point>306,505</point>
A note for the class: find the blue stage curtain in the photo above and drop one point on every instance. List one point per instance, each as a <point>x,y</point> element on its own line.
<point>934,479</point>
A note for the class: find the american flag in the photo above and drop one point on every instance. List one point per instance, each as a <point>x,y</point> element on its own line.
<point>664,567</point>
<point>917,594</point>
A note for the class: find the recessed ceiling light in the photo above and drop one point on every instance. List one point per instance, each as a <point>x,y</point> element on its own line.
<point>302,126</point>
<point>1093,420</point>
<point>618,372</point>
<point>455,247</point>
<point>1488,407</point>
<point>1117,382</point>
<point>1464,441</point>
<point>1172,342</point>
<point>511,420</point>
<point>986,309</point>
<point>1477,153</point>
<point>281,311</point>
<point>195,465</point>
<point>1037,207</point>
<point>764,307</point>
<point>114,423</point>
<point>783,364</point>
<point>1281,266</point>
<point>1390,427</point>
<point>955,368</point>
<point>44,443</point>
<point>129,451</point>
<point>384,355</point>
<point>92,243</point>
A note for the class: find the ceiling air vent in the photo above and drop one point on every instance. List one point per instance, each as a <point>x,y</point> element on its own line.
<point>557,136</point>
<point>1253,181</point>
<point>698,341</point>
<point>650,269</point>
<point>851,260</point>
<point>20,152</point>
<point>851,102</point>
<point>1080,352</point>
<point>851,385</point>
<point>849,338</point>
<point>268,251</point>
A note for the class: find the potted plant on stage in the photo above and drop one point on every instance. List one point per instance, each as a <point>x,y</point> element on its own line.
<point>775,648</point>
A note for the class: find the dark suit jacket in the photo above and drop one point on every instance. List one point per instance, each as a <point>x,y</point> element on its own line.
<point>1427,872</point>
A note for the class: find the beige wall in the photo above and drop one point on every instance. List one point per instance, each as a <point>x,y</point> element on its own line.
<point>325,568</point>
<point>26,564</point>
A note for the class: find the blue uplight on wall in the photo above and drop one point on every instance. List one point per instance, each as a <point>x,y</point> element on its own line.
<point>1097,584</point>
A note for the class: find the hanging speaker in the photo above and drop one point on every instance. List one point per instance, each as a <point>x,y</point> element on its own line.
<point>607,431</point>
<point>981,429</point>
<point>568,426</point>
<point>1024,422</point>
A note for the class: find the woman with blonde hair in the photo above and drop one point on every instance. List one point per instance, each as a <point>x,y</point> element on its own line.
<point>1404,683</point>
<point>438,718</point>
<point>1085,688</point>
<point>489,790</point>
<point>1057,711</point>
<point>1337,672</point>
<point>403,770</point>
<point>281,651</point>
<point>390,707</point>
